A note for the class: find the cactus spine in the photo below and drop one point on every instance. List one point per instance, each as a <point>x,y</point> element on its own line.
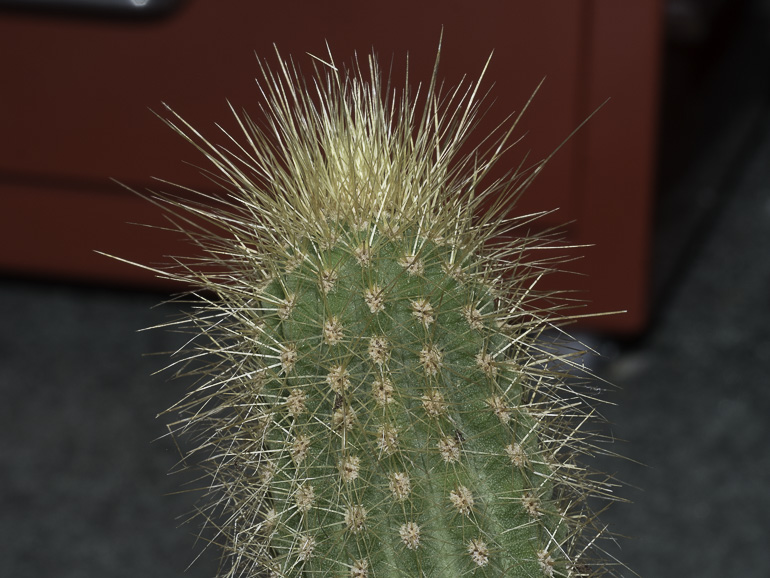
<point>377,404</point>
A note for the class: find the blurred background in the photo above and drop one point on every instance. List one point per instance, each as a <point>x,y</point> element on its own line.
<point>668,185</point>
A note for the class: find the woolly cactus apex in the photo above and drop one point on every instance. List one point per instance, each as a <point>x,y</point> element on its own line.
<point>378,402</point>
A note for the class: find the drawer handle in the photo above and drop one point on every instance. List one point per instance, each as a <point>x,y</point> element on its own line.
<point>93,7</point>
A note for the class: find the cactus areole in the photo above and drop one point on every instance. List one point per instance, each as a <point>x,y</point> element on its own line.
<point>375,400</point>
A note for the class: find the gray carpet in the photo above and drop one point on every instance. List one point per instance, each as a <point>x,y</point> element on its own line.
<point>695,405</point>
<point>84,484</point>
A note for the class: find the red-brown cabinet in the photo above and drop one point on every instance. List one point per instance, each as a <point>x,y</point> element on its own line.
<point>76,93</point>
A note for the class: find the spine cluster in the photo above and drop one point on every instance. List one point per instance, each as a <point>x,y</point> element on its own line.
<point>378,404</point>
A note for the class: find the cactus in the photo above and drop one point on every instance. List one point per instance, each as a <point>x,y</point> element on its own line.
<point>376,400</point>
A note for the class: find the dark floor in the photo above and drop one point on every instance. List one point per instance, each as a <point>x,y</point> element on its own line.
<point>83,489</point>
<point>83,485</point>
<point>695,404</point>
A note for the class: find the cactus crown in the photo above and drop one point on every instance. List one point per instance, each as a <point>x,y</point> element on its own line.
<point>377,402</point>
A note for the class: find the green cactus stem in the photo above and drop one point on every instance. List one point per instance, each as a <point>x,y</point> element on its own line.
<point>376,400</point>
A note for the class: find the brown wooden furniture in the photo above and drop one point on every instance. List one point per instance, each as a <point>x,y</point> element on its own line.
<point>75,95</point>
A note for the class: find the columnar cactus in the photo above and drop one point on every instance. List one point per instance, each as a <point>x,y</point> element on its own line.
<point>376,402</point>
